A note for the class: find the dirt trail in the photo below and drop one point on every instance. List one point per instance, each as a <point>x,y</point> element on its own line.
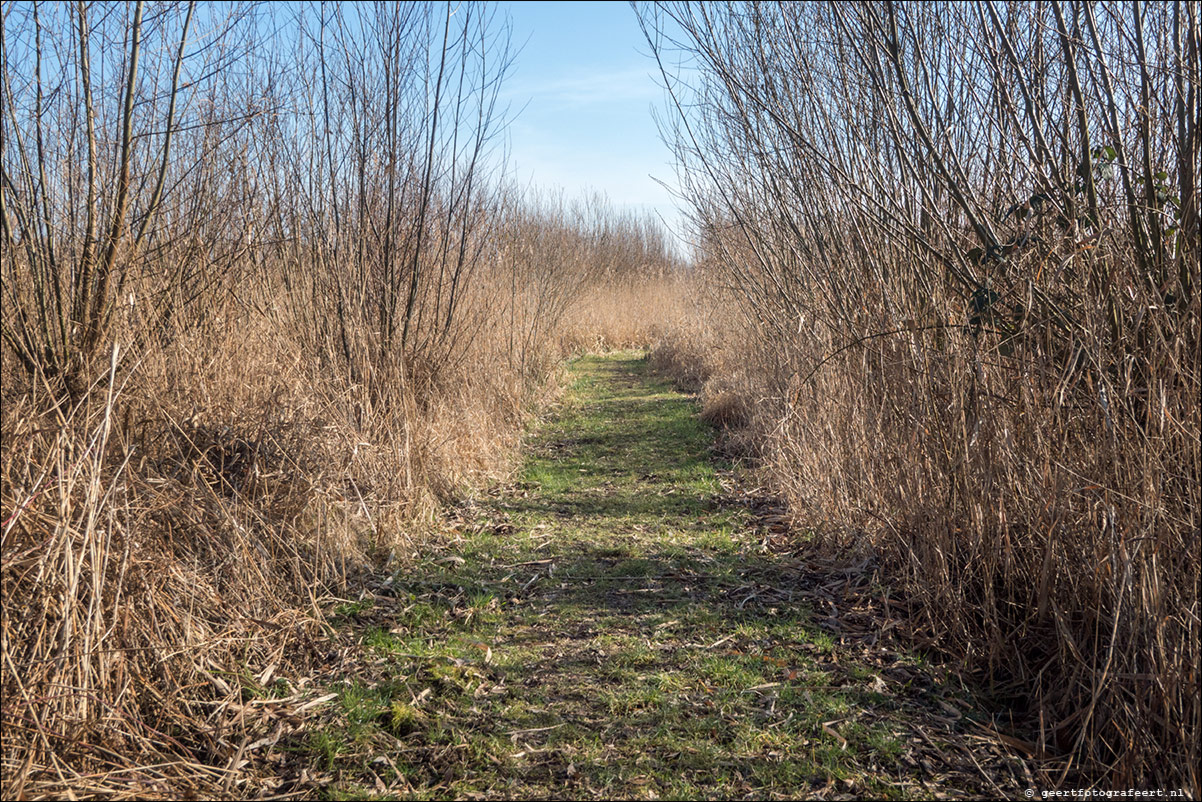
<point>613,626</point>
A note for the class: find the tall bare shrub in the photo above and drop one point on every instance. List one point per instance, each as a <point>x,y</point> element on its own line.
<point>964,241</point>
<point>111,120</point>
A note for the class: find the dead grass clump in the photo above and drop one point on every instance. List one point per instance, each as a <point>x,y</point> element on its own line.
<point>725,408</point>
<point>143,597</point>
<point>166,542</point>
<point>689,346</point>
<point>681,354</point>
<point>633,313</point>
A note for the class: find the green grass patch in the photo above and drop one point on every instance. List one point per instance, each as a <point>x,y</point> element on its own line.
<point>606,635</point>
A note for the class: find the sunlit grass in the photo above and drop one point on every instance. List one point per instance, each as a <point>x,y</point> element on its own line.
<point>598,647</point>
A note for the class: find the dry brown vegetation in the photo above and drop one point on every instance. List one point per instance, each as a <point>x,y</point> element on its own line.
<point>266,303</point>
<point>949,294</point>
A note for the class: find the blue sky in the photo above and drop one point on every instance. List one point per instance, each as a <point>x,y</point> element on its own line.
<point>584,86</point>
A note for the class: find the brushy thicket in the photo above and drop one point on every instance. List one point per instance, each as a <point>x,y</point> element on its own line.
<point>264,307</point>
<point>949,293</point>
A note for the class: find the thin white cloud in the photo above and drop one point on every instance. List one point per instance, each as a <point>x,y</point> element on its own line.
<point>588,89</point>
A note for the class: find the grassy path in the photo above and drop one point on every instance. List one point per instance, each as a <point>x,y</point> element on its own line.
<point>611,628</point>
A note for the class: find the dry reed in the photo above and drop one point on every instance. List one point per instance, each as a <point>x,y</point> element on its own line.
<point>958,247</point>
